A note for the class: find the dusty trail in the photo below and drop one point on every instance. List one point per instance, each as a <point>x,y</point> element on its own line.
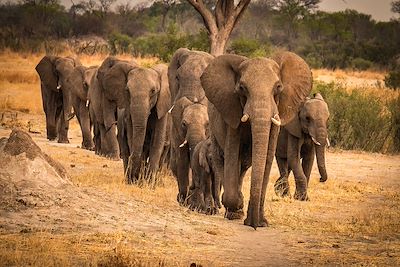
<point>352,219</point>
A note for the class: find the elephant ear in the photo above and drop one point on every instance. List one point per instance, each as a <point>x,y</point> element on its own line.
<point>114,83</point>
<point>203,151</point>
<point>177,60</point>
<point>164,98</point>
<point>47,72</point>
<point>296,78</point>
<point>294,127</point>
<point>219,80</point>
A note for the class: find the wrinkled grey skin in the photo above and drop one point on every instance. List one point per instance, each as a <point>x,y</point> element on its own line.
<point>142,123</point>
<point>103,107</point>
<point>205,188</point>
<point>63,87</point>
<point>189,113</point>
<point>307,135</point>
<point>246,96</point>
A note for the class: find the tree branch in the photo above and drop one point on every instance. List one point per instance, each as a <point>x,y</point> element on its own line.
<point>207,16</point>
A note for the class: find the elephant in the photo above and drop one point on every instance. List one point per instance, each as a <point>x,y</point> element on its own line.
<point>205,189</point>
<point>63,88</point>
<point>143,118</point>
<point>248,101</point>
<point>189,112</point>
<point>103,107</point>
<point>302,138</point>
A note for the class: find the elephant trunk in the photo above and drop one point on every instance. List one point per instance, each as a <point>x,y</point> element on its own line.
<point>139,112</point>
<point>194,136</point>
<point>67,105</point>
<point>320,141</point>
<point>260,128</point>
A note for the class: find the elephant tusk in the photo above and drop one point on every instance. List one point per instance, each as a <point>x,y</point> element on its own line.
<point>245,118</point>
<point>328,144</point>
<point>183,144</point>
<point>87,103</point>
<point>276,120</point>
<point>315,141</point>
<point>59,87</point>
<point>170,110</point>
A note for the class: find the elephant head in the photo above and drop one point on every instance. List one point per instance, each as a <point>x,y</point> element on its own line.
<point>142,92</point>
<point>190,119</point>
<point>312,121</point>
<point>259,92</point>
<point>63,74</point>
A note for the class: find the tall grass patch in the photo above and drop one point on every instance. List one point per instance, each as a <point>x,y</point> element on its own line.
<point>362,118</point>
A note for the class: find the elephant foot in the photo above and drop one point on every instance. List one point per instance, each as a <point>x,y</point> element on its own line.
<point>181,198</point>
<point>234,215</point>
<point>217,203</point>
<point>323,179</point>
<point>210,207</point>
<point>195,200</point>
<point>281,188</point>
<point>302,196</point>
<point>51,138</point>
<point>261,222</point>
<point>88,146</point>
<point>63,141</point>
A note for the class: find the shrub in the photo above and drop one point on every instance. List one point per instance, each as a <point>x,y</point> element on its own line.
<point>361,120</point>
<point>361,64</point>
<point>392,80</point>
<point>249,47</point>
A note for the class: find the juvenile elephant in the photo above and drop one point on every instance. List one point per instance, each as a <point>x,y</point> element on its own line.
<point>249,100</point>
<point>103,96</point>
<point>63,87</point>
<point>189,112</point>
<point>205,188</point>
<point>302,138</point>
<point>142,122</point>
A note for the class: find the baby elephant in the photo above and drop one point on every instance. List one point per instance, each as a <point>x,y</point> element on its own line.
<point>303,138</point>
<point>205,189</point>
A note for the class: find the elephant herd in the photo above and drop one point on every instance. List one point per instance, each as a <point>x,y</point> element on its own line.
<point>209,119</point>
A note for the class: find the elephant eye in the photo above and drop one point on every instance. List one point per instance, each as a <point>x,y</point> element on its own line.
<point>184,124</point>
<point>278,88</point>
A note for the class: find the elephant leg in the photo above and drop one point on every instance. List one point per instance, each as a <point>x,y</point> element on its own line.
<point>49,99</point>
<point>84,121</point>
<point>97,138</point>
<point>110,145</point>
<point>307,153</point>
<point>272,143</point>
<point>281,186</point>
<point>232,197</point>
<point>123,142</point>
<point>217,163</point>
<point>206,185</point>
<point>294,163</point>
<point>182,163</point>
<point>157,144</point>
<point>63,126</point>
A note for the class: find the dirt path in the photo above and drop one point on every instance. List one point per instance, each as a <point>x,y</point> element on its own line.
<point>351,219</point>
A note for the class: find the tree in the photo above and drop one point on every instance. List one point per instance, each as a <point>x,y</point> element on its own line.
<point>219,20</point>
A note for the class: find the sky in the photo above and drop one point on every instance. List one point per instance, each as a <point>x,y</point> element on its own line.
<point>378,9</point>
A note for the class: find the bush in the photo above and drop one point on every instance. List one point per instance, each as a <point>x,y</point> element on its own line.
<point>361,120</point>
<point>361,64</point>
<point>249,47</point>
<point>392,80</point>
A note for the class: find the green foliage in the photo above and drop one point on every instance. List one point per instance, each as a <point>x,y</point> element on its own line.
<point>361,120</point>
<point>392,80</point>
<point>361,64</point>
<point>249,47</point>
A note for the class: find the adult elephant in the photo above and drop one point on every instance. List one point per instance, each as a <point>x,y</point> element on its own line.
<point>303,138</point>
<point>249,100</point>
<point>103,107</point>
<point>189,113</point>
<point>143,115</point>
<point>63,87</point>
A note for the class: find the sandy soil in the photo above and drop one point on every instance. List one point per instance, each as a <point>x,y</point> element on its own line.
<point>353,219</point>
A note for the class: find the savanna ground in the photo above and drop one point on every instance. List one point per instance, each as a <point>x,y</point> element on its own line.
<point>352,219</point>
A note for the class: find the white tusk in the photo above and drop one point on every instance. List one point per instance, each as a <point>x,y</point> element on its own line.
<point>170,110</point>
<point>87,103</point>
<point>328,144</point>
<point>315,141</point>
<point>59,87</point>
<point>183,144</point>
<point>245,118</point>
<point>276,120</point>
